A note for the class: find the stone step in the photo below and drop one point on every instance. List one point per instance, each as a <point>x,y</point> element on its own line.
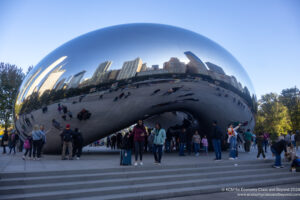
<point>135,172</point>
<point>132,190</point>
<point>57,186</point>
<point>210,163</point>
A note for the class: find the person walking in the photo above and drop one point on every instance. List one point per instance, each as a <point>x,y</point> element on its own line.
<point>196,143</point>
<point>248,139</point>
<point>139,132</point>
<point>182,141</point>
<point>67,136</point>
<point>205,144</point>
<point>266,141</point>
<point>216,140</point>
<point>259,142</point>
<point>28,146</point>
<point>159,139</point>
<point>232,139</point>
<point>78,143</point>
<point>277,149</point>
<point>4,141</point>
<point>37,138</point>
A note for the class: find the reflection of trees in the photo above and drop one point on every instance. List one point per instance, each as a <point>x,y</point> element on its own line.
<point>34,101</point>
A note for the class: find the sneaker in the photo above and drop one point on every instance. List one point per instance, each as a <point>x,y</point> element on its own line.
<point>23,157</point>
<point>231,158</point>
<point>141,163</point>
<point>33,158</point>
<point>258,158</point>
<point>135,164</point>
<point>277,167</point>
<point>77,158</point>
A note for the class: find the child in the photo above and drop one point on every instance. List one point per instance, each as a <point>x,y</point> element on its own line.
<point>196,142</point>
<point>291,153</point>
<point>295,165</point>
<point>205,144</point>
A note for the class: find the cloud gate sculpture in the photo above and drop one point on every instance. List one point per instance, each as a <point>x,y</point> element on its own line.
<point>106,80</point>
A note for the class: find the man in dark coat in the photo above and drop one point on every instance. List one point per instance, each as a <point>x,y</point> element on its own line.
<point>216,140</point>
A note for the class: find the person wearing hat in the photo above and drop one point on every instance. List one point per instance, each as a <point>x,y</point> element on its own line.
<point>67,137</point>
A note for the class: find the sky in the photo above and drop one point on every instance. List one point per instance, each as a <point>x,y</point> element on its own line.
<point>263,35</point>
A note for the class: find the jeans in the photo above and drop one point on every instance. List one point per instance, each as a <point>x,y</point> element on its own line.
<point>37,144</point>
<point>157,151</point>
<point>196,148</point>
<point>181,149</point>
<point>206,149</point>
<point>168,146</point>
<point>247,145</point>
<point>217,148</point>
<point>277,157</point>
<point>12,147</point>
<point>139,149</point>
<point>233,147</point>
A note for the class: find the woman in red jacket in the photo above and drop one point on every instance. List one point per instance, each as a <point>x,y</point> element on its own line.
<point>139,132</point>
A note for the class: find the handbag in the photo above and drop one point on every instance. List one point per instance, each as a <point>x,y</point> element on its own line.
<point>5,143</point>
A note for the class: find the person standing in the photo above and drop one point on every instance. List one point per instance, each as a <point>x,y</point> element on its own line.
<point>12,142</point>
<point>4,141</point>
<point>205,144</point>
<point>67,137</point>
<point>28,146</point>
<point>266,141</point>
<point>37,142</point>
<point>42,129</point>
<point>196,143</point>
<point>139,132</point>
<point>78,143</point>
<point>259,142</point>
<point>182,141</point>
<point>126,146</point>
<point>216,140</point>
<point>232,139</point>
<point>248,139</point>
<point>277,149</point>
<point>158,142</point>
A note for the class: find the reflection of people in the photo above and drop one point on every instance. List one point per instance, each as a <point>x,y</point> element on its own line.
<point>56,124</point>
<point>139,132</point>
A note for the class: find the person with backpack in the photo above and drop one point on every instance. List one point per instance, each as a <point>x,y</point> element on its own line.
<point>78,143</point>
<point>28,146</point>
<point>37,138</point>
<point>4,141</point>
<point>159,139</point>
<point>67,137</point>
<point>139,132</point>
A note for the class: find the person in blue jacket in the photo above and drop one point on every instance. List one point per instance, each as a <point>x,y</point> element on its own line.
<point>158,142</point>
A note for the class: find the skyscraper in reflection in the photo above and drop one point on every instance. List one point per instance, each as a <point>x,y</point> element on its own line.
<point>75,80</point>
<point>130,68</point>
<point>98,75</point>
<point>195,65</point>
<point>215,68</point>
<point>51,80</point>
<point>175,66</point>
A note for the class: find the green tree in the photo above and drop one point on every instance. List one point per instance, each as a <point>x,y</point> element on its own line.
<point>10,80</point>
<point>272,116</point>
<point>291,99</point>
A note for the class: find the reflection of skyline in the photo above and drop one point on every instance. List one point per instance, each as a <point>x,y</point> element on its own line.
<point>75,80</point>
<point>130,68</point>
<point>51,80</point>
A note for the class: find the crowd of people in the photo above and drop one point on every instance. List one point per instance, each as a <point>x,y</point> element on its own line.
<point>157,140</point>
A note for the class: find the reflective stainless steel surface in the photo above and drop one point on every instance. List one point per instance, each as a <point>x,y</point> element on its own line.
<point>123,73</point>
